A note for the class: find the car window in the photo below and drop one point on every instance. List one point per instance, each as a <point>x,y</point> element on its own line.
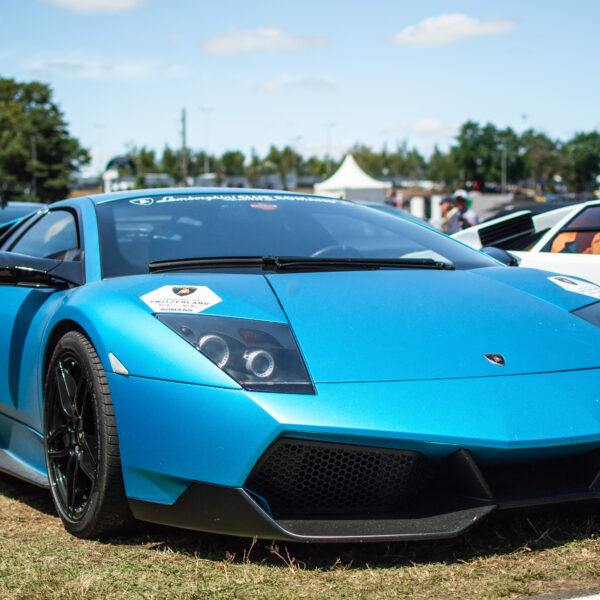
<point>54,235</point>
<point>581,235</point>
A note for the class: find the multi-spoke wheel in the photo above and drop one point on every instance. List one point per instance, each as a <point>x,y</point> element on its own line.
<point>82,448</point>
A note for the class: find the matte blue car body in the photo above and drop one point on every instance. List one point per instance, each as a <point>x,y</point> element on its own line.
<point>382,377</point>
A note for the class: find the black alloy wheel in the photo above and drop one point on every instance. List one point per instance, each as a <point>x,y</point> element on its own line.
<point>81,443</point>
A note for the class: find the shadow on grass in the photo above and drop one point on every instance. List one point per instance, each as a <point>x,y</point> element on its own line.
<point>501,534</point>
<point>36,497</point>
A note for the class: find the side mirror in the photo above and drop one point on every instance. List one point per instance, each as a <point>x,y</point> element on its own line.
<point>506,258</point>
<point>21,269</point>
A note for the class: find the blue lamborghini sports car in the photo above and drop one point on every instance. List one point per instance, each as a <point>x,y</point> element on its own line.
<point>287,366</point>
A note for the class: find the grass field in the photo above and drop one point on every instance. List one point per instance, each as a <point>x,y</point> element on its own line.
<point>510,556</point>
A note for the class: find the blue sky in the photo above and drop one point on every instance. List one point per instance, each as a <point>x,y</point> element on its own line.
<point>317,74</point>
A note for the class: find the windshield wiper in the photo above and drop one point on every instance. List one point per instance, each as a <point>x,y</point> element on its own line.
<point>297,263</point>
<point>292,263</point>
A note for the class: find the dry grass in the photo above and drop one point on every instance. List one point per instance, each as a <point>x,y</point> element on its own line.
<point>512,556</point>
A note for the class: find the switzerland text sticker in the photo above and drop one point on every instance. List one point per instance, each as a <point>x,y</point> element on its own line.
<point>577,286</point>
<point>181,299</point>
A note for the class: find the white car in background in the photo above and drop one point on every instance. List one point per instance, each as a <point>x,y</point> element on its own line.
<point>565,240</point>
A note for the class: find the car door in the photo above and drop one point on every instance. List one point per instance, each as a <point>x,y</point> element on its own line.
<point>24,314</point>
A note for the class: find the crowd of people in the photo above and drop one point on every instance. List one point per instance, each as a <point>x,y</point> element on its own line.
<point>456,210</point>
<point>457,213</point>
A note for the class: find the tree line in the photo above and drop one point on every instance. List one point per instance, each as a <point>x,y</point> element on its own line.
<point>39,158</point>
<point>482,155</point>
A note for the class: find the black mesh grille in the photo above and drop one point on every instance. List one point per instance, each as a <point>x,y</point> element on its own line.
<point>301,477</point>
<point>500,233</point>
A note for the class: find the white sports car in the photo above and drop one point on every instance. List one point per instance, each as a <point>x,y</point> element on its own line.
<point>565,240</point>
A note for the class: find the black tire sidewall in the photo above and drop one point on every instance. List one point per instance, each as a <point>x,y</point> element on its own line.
<point>79,346</point>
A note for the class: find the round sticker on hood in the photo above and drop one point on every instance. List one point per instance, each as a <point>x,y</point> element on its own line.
<point>264,205</point>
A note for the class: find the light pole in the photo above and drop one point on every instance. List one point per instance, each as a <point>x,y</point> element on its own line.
<point>206,110</point>
<point>503,180</point>
<point>328,127</point>
<point>184,161</point>
<point>293,141</point>
<point>100,127</point>
<point>33,192</point>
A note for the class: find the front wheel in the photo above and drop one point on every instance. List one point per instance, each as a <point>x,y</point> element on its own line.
<point>81,443</point>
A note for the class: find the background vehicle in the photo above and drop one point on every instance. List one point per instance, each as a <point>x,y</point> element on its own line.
<point>565,240</point>
<point>16,210</point>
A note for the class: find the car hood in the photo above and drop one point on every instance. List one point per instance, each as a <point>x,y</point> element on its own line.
<point>359,326</point>
<point>394,325</point>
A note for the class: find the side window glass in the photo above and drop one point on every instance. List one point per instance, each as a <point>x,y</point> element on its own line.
<point>53,236</point>
<point>581,235</point>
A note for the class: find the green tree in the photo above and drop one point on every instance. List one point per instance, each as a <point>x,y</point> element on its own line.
<point>541,157</point>
<point>443,167</point>
<point>404,162</point>
<point>313,167</point>
<point>369,161</point>
<point>233,163</point>
<point>281,162</point>
<point>145,162</point>
<point>583,156</point>
<point>37,155</point>
<point>476,152</point>
<point>171,164</point>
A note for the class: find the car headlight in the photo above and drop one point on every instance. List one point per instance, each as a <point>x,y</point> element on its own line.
<point>260,355</point>
<point>589,313</point>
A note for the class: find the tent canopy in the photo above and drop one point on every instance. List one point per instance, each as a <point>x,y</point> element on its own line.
<point>352,183</point>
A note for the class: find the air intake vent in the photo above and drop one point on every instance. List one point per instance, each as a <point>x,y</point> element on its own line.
<point>300,478</point>
<point>499,234</point>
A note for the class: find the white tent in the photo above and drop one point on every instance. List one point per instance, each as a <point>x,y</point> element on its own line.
<point>352,183</point>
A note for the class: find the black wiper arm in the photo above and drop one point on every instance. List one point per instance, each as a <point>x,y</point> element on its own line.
<point>291,263</point>
<point>296,263</point>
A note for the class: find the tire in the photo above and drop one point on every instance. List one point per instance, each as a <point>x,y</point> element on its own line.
<point>81,442</point>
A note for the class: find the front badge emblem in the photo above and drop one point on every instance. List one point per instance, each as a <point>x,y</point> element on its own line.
<point>184,291</point>
<point>496,359</point>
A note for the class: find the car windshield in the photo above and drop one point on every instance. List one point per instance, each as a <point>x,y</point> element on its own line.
<point>137,231</point>
<point>581,235</point>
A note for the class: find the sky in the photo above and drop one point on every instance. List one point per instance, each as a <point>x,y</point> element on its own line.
<point>319,75</point>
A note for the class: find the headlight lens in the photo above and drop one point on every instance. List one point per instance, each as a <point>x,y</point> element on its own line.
<point>589,313</point>
<point>260,355</point>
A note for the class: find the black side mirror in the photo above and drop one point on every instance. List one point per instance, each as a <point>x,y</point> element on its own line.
<point>21,269</point>
<point>506,258</point>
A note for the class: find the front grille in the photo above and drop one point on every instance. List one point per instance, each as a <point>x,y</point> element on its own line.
<point>302,477</point>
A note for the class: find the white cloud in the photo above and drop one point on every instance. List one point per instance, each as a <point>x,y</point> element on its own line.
<point>268,39</point>
<point>285,82</point>
<point>427,127</point>
<point>107,70</point>
<point>96,5</point>
<point>448,28</point>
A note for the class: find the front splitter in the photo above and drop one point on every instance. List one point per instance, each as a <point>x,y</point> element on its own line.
<point>233,511</point>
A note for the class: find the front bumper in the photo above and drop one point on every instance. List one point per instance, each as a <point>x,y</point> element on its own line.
<point>188,451</point>
<point>454,498</point>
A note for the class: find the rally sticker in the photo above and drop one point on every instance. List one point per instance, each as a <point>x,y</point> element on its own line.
<point>181,299</point>
<point>577,286</point>
<point>264,205</point>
